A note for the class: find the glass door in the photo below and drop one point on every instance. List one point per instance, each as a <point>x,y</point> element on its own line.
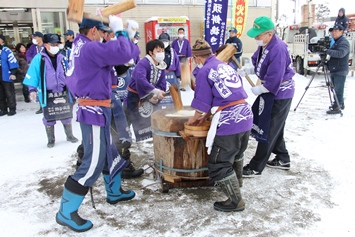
<point>50,21</point>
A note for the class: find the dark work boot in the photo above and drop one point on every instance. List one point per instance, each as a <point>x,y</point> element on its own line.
<point>3,112</point>
<point>69,132</point>
<point>238,168</point>
<point>50,136</point>
<point>130,171</point>
<point>12,112</point>
<point>39,111</point>
<point>230,187</point>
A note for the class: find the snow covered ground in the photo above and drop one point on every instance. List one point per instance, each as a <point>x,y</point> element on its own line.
<point>314,198</point>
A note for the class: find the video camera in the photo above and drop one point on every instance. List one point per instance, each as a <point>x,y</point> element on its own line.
<point>322,45</point>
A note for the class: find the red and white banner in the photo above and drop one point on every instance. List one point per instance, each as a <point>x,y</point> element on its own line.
<point>240,13</point>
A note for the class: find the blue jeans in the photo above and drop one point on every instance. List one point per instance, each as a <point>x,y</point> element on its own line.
<point>339,83</point>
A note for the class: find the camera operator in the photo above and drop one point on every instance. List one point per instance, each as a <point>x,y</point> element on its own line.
<point>338,66</point>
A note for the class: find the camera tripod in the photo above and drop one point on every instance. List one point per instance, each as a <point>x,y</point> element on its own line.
<point>328,82</point>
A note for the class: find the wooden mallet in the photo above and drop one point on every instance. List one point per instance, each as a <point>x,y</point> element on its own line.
<point>246,75</point>
<point>75,11</point>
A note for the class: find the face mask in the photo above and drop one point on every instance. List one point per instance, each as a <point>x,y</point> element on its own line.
<point>101,39</point>
<point>135,41</point>
<point>166,44</point>
<point>181,36</point>
<point>159,57</point>
<point>260,43</point>
<point>54,50</point>
<point>61,46</point>
<point>34,41</point>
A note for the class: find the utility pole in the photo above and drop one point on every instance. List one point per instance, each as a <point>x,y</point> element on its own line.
<point>277,11</point>
<point>294,11</point>
<point>309,13</point>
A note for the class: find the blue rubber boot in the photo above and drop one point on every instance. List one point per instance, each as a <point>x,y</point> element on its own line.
<point>69,205</point>
<point>115,193</point>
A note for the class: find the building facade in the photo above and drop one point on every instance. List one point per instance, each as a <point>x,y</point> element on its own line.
<point>20,18</point>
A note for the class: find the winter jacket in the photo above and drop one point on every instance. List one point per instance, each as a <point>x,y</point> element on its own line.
<point>237,43</point>
<point>23,66</point>
<point>344,20</point>
<point>9,63</point>
<point>339,52</point>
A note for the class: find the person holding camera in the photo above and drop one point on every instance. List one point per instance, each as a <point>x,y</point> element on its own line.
<point>338,66</point>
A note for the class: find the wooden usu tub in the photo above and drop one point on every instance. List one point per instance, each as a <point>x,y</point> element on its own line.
<point>175,158</point>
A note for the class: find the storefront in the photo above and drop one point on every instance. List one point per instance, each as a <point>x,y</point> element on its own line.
<point>19,19</point>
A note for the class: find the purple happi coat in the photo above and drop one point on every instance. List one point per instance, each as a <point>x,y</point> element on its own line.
<point>218,84</point>
<point>273,65</point>
<point>90,72</point>
<point>182,47</point>
<point>146,77</point>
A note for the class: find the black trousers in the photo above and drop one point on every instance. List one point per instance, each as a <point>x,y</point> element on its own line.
<point>226,150</point>
<point>7,96</point>
<point>276,142</point>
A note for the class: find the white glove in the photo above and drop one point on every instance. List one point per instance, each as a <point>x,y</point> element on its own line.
<point>116,23</point>
<point>33,96</point>
<point>159,93</point>
<point>132,27</point>
<point>241,72</point>
<point>154,99</point>
<point>129,63</point>
<point>257,90</point>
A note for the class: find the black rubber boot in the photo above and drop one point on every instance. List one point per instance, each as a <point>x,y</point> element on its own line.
<point>50,136</point>
<point>69,132</point>
<point>238,168</point>
<point>230,187</point>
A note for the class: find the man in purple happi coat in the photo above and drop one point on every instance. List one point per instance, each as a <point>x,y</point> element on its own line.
<point>36,47</point>
<point>273,65</point>
<point>89,79</point>
<point>146,89</point>
<point>219,91</point>
<point>182,46</point>
<point>53,82</point>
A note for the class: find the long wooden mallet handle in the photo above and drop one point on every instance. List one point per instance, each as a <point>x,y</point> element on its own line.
<point>96,17</point>
<point>246,75</point>
<point>76,7</point>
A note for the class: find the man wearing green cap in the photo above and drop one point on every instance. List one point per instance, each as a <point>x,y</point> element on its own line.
<point>273,65</point>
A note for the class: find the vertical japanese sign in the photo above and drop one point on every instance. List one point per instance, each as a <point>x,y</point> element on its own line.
<point>215,22</point>
<point>240,13</point>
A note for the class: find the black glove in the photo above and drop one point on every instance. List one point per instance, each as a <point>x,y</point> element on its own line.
<point>121,69</point>
<point>123,150</point>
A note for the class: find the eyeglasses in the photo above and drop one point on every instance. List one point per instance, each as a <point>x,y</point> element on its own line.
<point>260,35</point>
